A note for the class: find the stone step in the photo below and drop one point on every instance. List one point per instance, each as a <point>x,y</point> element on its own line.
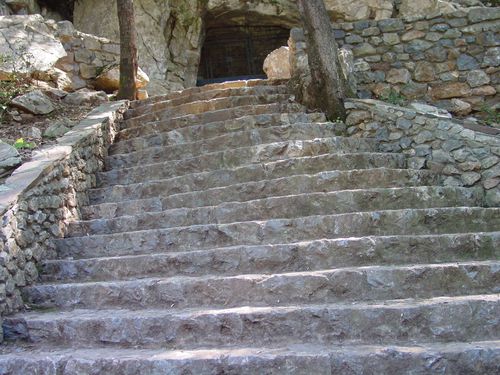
<point>281,258</point>
<point>165,194</point>
<point>224,171</point>
<point>442,319</point>
<point>207,88</point>
<point>202,106</point>
<point>163,149</point>
<point>327,286</point>
<point>161,105</point>
<point>181,121</point>
<point>289,207</point>
<point>195,133</point>
<point>233,157</point>
<point>278,231</point>
<point>467,358</point>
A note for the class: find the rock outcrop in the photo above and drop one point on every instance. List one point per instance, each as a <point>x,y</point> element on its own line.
<point>27,45</point>
<point>169,42</point>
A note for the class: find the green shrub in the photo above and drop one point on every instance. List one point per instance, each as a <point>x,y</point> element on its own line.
<point>21,144</point>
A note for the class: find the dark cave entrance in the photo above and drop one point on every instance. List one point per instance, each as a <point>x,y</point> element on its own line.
<point>238,52</point>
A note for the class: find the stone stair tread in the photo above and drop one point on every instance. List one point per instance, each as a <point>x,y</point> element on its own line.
<point>439,319</point>
<point>284,166</point>
<point>233,114</point>
<point>286,206</point>
<point>302,256</point>
<point>325,286</point>
<point>240,192</point>
<point>277,133</point>
<point>199,132</point>
<point>204,105</point>
<point>187,121</point>
<point>174,102</point>
<point>375,214</point>
<point>125,313</point>
<point>320,359</point>
<point>256,153</point>
<point>207,88</point>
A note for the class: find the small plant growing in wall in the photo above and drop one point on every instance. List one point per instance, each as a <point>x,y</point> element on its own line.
<point>491,115</point>
<point>394,98</point>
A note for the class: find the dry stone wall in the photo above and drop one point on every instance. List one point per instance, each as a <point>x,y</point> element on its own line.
<point>44,194</point>
<point>438,59</point>
<point>455,55</point>
<point>87,55</point>
<point>465,155</point>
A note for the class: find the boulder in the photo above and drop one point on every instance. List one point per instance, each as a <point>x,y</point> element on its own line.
<point>27,45</point>
<point>109,79</point>
<point>35,102</point>
<point>9,158</point>
<point>277,64</point>
<point>86,97</point>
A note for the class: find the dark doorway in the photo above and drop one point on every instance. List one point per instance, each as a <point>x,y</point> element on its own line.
<point>238,52</point>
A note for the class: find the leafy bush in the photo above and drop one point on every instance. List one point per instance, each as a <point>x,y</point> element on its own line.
<point>21,144</point>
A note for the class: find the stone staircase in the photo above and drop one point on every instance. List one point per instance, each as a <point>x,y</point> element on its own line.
<point>234,233</point>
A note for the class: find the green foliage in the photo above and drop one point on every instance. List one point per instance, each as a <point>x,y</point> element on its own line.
<point>492,115</point>
<point>394,97</point>
<point>21,144</point>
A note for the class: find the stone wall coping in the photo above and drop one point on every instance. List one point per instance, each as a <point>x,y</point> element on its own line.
<point>45,159</point>
<point>371,103</point>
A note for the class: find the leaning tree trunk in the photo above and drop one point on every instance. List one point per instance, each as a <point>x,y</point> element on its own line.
<point>128,50</point>
<point>324,62</point>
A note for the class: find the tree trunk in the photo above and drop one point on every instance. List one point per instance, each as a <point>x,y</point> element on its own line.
<point>128,50</point>
<point>322,51</point>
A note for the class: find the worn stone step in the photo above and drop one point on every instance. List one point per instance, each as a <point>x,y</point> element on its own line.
<point>207,88</point>
<point>276,231</point>
<point>233,157</point>
<point>458,358</point>
<point>172,102</point>
<point>165,194</point>
<point>246,183</point>
<point>232,140</point>
<point>222,170</point>
<point>180,121</point>
<point>200,132</point>
<point>288,206</point>
<point>442,319</point>
<point>307,287</point>
<point>281,258</point>
<point>202,106</point>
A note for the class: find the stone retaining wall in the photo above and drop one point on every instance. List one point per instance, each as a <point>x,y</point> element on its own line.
<point>44,194</point>
<point>463,154</point>
<point>87,54</point>
<point>438,58</point>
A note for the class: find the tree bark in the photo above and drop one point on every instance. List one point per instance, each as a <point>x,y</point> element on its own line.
<point>324,62</point>
<point>128,50</point>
